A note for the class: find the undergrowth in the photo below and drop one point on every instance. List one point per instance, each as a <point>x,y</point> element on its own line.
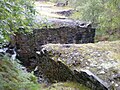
<point>12,77</point>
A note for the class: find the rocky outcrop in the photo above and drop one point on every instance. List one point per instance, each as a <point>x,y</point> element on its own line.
<point>60,4</point>
<point>102,59</point>
<point>66,13</point>
<point>64,35</point>
<point>93,65</point>
<point>52,71</point>
<point>49,71</point>
<point>64,32</point>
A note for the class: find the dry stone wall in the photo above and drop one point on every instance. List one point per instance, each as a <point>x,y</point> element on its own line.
<point>28,44</point>
<point>65,35</point>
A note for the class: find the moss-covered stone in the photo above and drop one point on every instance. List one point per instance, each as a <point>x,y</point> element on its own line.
<point>103,58</point>
<point>67,86</point>
<point>57,62</point>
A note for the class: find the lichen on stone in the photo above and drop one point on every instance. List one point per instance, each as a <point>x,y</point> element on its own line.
<point>102,58</point>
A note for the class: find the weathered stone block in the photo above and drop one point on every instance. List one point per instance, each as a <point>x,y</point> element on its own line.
<point>67,32</point>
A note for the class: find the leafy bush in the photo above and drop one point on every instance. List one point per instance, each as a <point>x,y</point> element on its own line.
<point>104,15</point>
<point>12,77</point>
<point>15,14</point>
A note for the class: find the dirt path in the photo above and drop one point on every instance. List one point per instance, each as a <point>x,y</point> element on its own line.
<point>48,10</point>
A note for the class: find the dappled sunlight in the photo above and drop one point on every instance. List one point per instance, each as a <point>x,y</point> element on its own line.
<point>38,3</point>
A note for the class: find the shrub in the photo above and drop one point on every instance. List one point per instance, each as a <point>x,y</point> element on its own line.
<point>12,77</point>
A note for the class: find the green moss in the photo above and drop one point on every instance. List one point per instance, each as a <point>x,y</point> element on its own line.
<point>68,86</point>
<point>76,16</point>
<point>96,57</point>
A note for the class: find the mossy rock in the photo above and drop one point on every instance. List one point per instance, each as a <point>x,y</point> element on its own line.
<point>102,58</point>
<point>67,86</point>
